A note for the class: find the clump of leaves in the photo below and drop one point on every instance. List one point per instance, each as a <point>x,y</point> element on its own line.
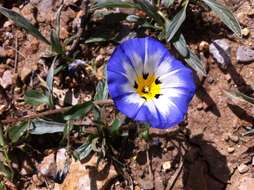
<point>171,29</point>
<point>239,96</point>
<point>22,22</point>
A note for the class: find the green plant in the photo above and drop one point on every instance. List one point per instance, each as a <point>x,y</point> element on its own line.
<point>170,30</point>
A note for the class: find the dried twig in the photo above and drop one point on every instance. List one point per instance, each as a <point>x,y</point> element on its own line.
<point>173,179</point>
<point>51,112</point>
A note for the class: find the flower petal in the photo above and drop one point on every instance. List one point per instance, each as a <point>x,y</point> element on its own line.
<point>134,49</point>
<point>138,56</point>
<point>169,114</point>
<point>168,65</point>
<point>119,85</point>
<point>181,77</point>
<point>129,104</point>
<point>154,54</point>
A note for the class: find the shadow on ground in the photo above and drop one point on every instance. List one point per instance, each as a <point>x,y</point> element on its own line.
<point>204,168</point>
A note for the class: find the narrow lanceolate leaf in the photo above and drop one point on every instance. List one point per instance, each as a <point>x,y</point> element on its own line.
<point>23,23</point>
<point>101,90</point>
<point>78,111</point>
<point>2,143</point>
<point>95,40</point>
<point>167,3</point>
<point>225,15</point>
<point>150,10</point>
<point>236,95</point>
<point>58,23</point>
<point>181,45</point>
<point>16,132</point>
<point>113,4</point>
<point>2,186</point>
<point>190,58</point>
<point>41,126</point>
<point>5,171</point>
<point>55,43</point>
<point>50,77</point>
<point>115,128</point>
<point>193,61</point>
<point>83,151</point>
<point>35,98</point>
<point>176,22</point>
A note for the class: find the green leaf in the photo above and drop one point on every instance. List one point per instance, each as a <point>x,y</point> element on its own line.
<point>96,113</point>
<point>94,143</point>
<point>78,111</point>
<point>112,4</point>
<point>55,43</point>
<point>2,186</point>
<point>168,3</point>
<point>250,132</point>
<point>23,23</point>
<point>115,128</point>
<point>176,22</point>
<point>2,143</point>
<point>16,132</point>
<point>236,95</point>
<point>41,126</point>
<point>5,171</point>
<point>67,130</point>
<point>151,11</point>
<point>83,151</point>
<point>95,40</point>
<point>35,98</point>
<point>181,45</point>
<point>101,90</point>
<point>133,18</point>
<point>194,62</point>
<point>58,23</point>
<point>225,15</point>
<point>50,77</point>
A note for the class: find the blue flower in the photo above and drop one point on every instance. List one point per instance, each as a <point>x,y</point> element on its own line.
<point>148,84</point>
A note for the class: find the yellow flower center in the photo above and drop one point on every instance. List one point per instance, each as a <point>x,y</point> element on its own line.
<point>147,86</point>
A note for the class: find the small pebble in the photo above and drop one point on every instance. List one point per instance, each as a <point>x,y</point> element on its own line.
<point>210,79</point>
<point>200,106</point>
<point>245,32</point>
<point>231,149</point>
<point>250,13</point>
<point>244,54</point>
<point>166,166</point>
<point>234,138</point>
<point>203,46</point>
<point>243,168</point>
<point>228,77</point>
<point>226,137</point>
<point>220,50</point>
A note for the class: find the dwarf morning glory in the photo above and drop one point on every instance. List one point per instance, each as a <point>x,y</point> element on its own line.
<point>148,84</point>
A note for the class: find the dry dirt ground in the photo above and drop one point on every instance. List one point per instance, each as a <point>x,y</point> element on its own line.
<point>210,153</point>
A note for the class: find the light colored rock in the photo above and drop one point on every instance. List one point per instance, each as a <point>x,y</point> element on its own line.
<point>203,46</point>
<point>234,138</point>
<point>28,12</point>
<point>48,166</point>
<point>6,79</point>
<point>85,176</point>
<point>245,32</point>
<point>221,52</point>
<point>243,168</point>
<point>244,54</point>
<point>231,149</point>
<point>247,183</point>
<point>166,166</point>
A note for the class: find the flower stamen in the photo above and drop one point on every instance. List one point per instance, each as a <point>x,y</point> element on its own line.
<point>147,86</point>
<point>146,89</point>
